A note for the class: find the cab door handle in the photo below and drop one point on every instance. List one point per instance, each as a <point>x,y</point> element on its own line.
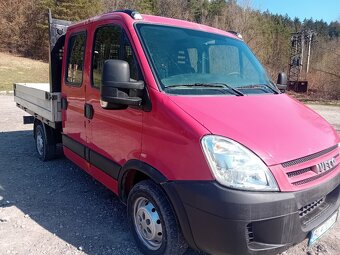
<point>64,103</point>
<point>88,111</point>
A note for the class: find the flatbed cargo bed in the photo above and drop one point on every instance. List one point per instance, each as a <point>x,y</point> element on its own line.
<point>37,100</point>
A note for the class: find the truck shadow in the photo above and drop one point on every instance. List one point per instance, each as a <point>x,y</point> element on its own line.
<point>62,198</point>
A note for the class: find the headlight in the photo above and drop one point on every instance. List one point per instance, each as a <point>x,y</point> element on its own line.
<point>235,166</point>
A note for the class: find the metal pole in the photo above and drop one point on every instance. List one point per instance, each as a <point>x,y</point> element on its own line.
<point>302,48</point>
<point>309,47</point>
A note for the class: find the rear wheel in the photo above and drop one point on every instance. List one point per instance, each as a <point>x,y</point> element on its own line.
<point>153,222</point>
<point>45,143</point>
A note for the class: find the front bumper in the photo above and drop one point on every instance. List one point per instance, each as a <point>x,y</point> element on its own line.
<point>219,220</point>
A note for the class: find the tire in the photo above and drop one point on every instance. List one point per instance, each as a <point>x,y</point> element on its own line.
<point>44,143</point>
<point>153,222</point>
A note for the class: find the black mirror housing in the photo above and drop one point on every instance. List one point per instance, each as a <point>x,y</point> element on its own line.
<point>282,82</point>
<point>116,85</point>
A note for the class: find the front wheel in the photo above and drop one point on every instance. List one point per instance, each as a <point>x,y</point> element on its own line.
<point>153,222</point>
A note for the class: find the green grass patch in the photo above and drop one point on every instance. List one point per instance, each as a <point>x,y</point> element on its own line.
<point>18,69</point>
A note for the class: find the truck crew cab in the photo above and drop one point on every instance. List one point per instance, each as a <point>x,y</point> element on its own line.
<point>181,121</point>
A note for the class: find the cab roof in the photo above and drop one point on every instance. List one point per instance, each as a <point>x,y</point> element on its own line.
<point>127,17</point>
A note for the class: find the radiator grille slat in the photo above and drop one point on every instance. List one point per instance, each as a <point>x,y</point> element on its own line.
<point>298,172</point>
<point>309,157</point>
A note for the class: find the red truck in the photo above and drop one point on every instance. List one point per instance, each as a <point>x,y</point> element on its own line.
<point>181,121</point>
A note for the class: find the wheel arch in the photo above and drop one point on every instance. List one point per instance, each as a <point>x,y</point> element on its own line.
<point>52,135</point>
<point>143,171</point>
<point>134,171</point>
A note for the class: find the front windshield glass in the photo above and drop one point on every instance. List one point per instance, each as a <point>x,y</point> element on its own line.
<point>188,61</point>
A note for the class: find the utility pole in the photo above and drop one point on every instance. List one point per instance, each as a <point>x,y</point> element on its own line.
<point>299,41</point>
<point>302,37</point>
<point>296,55</point>
<point>310,36</point>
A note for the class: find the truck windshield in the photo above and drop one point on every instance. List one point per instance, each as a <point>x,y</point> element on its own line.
<point>188,61</point>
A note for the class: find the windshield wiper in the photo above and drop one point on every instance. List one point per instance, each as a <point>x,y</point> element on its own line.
<point>263,87</point>
<point>235,90</point>
<point>209,85</point>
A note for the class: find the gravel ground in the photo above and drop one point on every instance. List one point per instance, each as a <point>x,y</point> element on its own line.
<point>330,112</point>
<point>56,208</point>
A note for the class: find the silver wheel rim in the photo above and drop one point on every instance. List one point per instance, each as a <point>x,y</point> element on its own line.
<point>40,142</point>
<point>147,223</point>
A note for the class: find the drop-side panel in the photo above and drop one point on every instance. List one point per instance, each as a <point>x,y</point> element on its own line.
<point>36,99</point>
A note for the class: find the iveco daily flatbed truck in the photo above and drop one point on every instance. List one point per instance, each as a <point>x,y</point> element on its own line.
<point>181,121</point>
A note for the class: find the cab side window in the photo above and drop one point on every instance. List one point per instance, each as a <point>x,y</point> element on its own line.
<point>110,42</point>
<point>106,46</point>
<point>75,59</point>
<point>129,57</point>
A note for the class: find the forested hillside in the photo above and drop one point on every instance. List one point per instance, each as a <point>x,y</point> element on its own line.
<point>23,25</point>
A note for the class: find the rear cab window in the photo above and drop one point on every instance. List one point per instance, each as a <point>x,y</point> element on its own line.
<point>224,59</point>
<point>75,59</point>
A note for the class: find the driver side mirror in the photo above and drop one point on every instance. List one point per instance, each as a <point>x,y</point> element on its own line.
<point>282,82</point>
<point>117,86</point>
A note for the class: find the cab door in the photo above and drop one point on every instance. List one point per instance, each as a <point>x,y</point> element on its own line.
<point>73,97</point>
<point>114,136</point>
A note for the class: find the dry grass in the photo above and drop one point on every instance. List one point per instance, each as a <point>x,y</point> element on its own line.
<point>19,69</point>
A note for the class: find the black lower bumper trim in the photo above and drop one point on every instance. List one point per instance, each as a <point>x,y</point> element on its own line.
<point>219,220</point>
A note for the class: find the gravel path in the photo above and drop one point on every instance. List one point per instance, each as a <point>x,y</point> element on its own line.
<point>56,208</point>
<point>330,112</point>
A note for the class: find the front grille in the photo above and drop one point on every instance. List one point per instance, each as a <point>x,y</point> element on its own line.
<point>309,157</point>
<point>309,173</point>
<point>307,209</point>
<point>250,233</point>
<point>310,179</point>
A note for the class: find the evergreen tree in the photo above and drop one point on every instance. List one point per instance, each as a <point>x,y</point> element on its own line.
<point>75,10</point>
<point>147,6</point>
<point>23,28</point>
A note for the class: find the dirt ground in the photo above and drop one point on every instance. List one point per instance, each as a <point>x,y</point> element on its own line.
<point>56,208</point>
